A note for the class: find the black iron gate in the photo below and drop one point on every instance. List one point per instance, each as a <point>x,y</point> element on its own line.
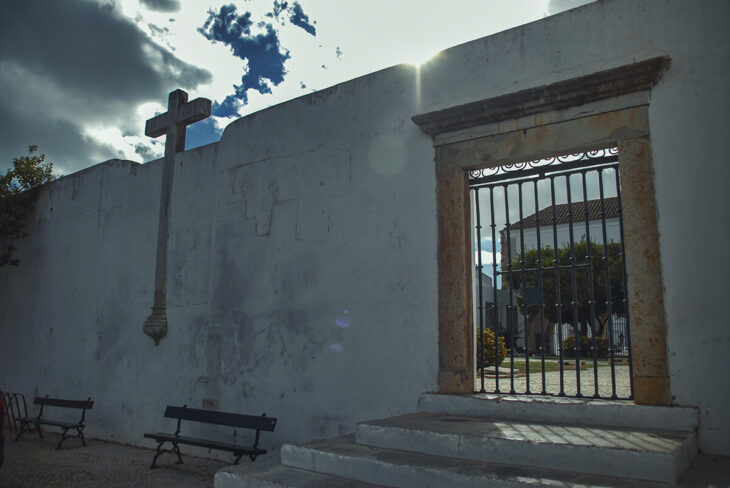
<point>550,278</point>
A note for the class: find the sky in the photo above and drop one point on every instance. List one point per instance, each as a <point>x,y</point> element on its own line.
<point>79,78</point>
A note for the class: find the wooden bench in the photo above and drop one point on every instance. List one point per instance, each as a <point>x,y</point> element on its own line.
<point>217,418</point>
<point>28,424</point>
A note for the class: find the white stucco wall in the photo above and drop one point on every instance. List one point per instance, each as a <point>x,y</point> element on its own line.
<point>322,211</point>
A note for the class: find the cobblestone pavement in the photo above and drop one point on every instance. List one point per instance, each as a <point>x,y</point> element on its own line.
<point>552,382</point>
<point>34,463</point>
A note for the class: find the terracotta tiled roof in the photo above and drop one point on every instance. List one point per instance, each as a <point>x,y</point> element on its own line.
<point>562,217</point>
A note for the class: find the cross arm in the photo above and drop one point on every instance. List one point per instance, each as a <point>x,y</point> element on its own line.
<point>185,114</point>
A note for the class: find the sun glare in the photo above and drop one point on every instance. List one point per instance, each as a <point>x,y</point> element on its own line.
<point>418,59</point>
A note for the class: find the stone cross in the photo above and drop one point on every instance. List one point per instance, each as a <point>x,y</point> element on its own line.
<point>180,113</point>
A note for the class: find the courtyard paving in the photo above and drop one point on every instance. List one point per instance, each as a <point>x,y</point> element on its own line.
<point>34,463</point>
<point>552,382</point>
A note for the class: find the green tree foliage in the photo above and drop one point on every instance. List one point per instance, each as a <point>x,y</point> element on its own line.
<point>586,344</point>
<point>18,192</point>
<point>582,288</point>
<point>487,353</point>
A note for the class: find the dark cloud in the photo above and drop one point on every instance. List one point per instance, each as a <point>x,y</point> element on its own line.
<point>300,19</point>
<point>66,64</point>
<point>296,15</point>
<point>144,152</point>
<point>262,52</point>
<point>162,5</point>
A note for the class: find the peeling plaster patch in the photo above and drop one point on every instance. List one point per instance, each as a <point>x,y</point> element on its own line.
<point>311,178</point>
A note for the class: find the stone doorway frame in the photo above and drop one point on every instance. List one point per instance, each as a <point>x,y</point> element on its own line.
<point>604,109</point>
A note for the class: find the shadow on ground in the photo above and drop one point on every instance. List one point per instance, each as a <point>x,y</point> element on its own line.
<point>33,462</point>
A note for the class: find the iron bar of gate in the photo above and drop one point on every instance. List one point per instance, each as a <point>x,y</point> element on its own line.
<point>505,181</point>
<point>626,288</point>
<point>591,291</point>
<point>523,279</point>
<point>578,265</point>
<point>539,288</point>
<point>574,285</point>
<point>494,292</point>
<point>558,299</point>
<point>607,272</point>
<point>510,321</point>
<point>480,346</point>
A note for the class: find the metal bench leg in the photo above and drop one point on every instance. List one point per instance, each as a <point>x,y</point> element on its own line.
<point>25,427</point>
<point>177,451</point>
<point>159,451</point>
<point>63,438</point>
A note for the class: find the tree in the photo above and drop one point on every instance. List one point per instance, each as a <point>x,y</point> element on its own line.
<point>18,192</point>
<point>597,271</point>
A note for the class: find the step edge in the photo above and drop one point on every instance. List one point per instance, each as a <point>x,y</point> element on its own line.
<point>682,418</point>
<point>663,466</point>
<point>536,478</point>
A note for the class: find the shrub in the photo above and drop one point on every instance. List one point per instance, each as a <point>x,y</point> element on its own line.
<point>486,350</point>
<point>585,346</point>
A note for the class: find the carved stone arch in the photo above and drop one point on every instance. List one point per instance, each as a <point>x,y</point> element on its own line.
<point>604,109</point>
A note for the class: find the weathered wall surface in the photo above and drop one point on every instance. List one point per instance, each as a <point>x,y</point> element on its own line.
<point>302,259</point>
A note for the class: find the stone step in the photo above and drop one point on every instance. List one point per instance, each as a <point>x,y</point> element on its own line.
<point>284,477</point>
<point>397,468</point>
<point>651,455</point>
<point>557,410</point>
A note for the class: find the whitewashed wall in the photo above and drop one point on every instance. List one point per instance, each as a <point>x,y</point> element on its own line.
<point>320,213</point>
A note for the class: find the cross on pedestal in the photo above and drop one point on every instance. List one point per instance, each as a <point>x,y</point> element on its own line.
<point>180,113</point>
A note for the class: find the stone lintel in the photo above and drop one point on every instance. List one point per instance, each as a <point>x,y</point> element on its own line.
<point>556,96</point>
<point>593,132</point>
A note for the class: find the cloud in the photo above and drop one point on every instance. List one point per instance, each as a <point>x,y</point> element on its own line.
<point>300,19</point>
<point>296,15</point>
<point>162,5</point>
<point>89,69</point>
<point>261,51</point>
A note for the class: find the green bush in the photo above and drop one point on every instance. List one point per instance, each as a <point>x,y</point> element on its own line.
<point>585,346</point>
<point>486,350</point>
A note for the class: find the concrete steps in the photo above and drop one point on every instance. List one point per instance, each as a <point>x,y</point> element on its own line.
<point>498,440</point>
<point>284,477</point>
<point>407,469</point>
<point>645,455</point>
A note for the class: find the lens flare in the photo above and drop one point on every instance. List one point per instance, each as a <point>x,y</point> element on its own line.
<point>343,320</point>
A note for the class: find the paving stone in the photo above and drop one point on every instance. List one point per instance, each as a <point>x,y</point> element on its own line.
<point>33,462</point>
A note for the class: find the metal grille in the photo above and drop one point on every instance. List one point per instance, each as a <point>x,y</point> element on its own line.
<point>550,278</point>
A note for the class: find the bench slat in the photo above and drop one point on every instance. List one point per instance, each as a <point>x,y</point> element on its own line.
<point>194,441</point>
<point>221,418</point>
<point>58,402</point>
<point>42,421</point>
